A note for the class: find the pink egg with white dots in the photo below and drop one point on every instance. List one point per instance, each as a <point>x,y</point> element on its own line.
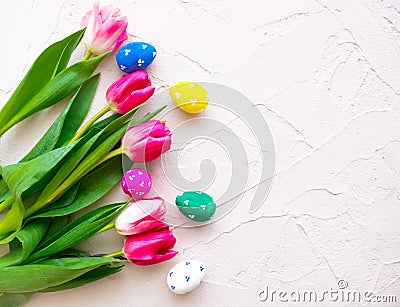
<point>136,183</point>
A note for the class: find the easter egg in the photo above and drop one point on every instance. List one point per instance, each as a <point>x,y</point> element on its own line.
<point>196,205</point>
<point>135,56</point>
<point>136,183</point>
<point>189,96</point>
<point>185,276</point>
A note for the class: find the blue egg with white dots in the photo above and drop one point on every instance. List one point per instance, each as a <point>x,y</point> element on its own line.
<point>135,56</point>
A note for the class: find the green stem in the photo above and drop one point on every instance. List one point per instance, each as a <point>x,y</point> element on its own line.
<point>105,228</point>
<point>108,156</point>
<point>87,55</point>
<point>116,254</point>
<point>89,123</point>
<point>6,204</point>
<point>67,184</point>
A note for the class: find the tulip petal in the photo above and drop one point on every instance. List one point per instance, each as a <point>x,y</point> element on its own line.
<point>147,141</point>
<point>137,133</point>
<point>140,216</point>
<point>105,29</point>
<point>108,11</point>
<point>136,98</point>
<point>150,247</point>
<point>156,259</point>
<point>129,91</point>
<point>149,149</point>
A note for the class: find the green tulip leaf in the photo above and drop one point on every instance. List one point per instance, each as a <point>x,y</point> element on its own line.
<point>63,128</point>
<point>47,196</point>
<point>76,231</point>
<point>47,65</point>
<point>91,276</point>
<point>25,242</point>
<point>146,117</point>
<point>55,90</point>
<point>99,126</point>
<point>68,253</point>
<point>111,123</point>
<point>67,199</point>
<point>93,187</point>
<point>15,299</point>
<point>80,106</point>
<point>4,191</point>
<point>19,178</point>
<point>67,52</point>
<point>48,273</point>
<point>68,122</point>
<point>12,221</point>
<point>57,223</point>
<point>99,146</point>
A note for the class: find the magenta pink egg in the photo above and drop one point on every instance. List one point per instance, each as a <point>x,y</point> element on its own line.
<point>136,183</point>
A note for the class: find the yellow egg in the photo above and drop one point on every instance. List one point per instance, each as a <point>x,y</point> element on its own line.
<point>189,96</point>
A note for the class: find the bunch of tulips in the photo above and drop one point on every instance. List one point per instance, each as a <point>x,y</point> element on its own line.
<point>74,165</point>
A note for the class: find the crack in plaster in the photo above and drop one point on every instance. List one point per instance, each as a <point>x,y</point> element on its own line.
<point>357,44</point>
<point>366,158</point>
<point>393,8</point>
<point>289,18</point>
<point>286,215</point>
<point>227,285</point>
<point>388,285</point>
<point>314,249</point>
<point>194,62</point>
<point>6,92</point>
<point>62,7</point>
<point>310,190</point>
<point>283,119</point>
<point>338,132</point>
<point>280,23</point>
<point>315,150</point>
<point>392,25</point>
<point>235,228</point>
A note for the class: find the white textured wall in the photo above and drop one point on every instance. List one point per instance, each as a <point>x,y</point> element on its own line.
<point>326,75</point>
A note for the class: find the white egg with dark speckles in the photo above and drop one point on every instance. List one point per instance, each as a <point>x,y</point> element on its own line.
<point>185,276</point>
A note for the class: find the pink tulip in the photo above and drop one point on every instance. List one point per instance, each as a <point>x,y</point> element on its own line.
<point>140,216</point>
<point>129,91</point>
<point>147,141</point>
<point>150,247</point>
<point>105,29</point>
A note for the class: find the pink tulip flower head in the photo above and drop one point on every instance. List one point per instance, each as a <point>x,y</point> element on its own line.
<point>105,29</point>
<point>147,141</point>
<point>129,91</point>
<point>140,216</point>
<point>150,247</point>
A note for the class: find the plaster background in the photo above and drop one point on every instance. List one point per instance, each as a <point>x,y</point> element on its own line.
<point>326,76</point>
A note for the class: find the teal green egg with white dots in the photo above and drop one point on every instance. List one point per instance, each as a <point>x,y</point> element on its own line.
<point>196,205</point>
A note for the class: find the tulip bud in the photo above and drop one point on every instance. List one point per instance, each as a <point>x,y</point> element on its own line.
<point>129,91</point>
<point>150,247</point>
<point>147,141</point>
<point>140,216</point>
<point>105,29</point>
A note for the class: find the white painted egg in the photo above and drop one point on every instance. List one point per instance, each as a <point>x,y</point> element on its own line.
<point>185,276</point>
